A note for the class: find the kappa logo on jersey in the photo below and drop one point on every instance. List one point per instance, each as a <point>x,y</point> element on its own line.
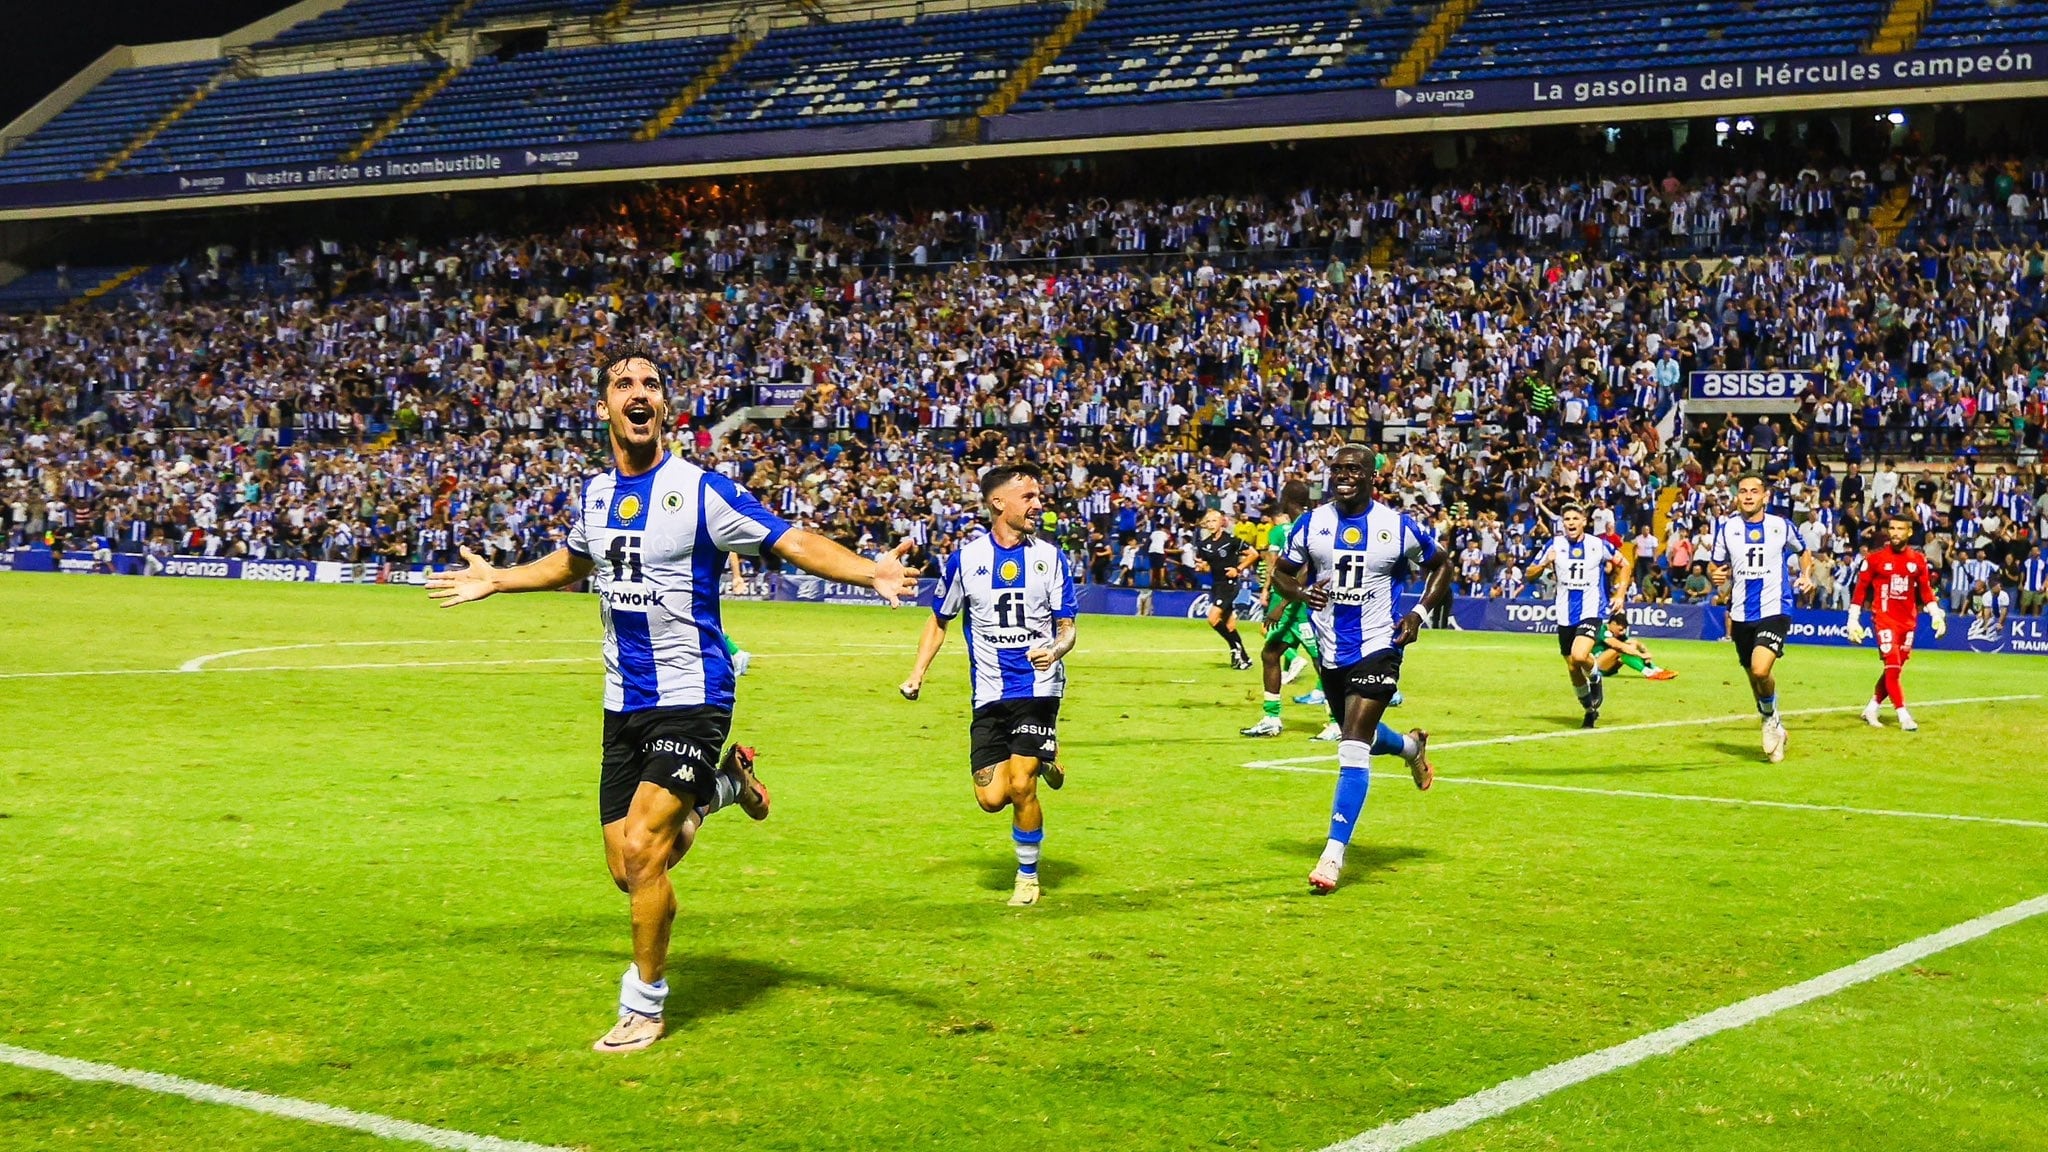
<point>672,501</point>
<point>629,507</point>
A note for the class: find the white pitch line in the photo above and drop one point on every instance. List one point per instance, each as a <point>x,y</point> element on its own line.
<point>1512,1094</point>
<point>199,663</point>
<point>1575,733</point>
<point>1628,793</point>
<point>288,1107</point>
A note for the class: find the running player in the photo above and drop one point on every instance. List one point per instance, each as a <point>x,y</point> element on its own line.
<point>1591,579</point>
<point>1018,597</point>
<point>1895,585</point>
<point>1287,626</point>
<point>1748,561</point>
<point>1619,649</point>
<point>650,536</point>
<point>1344,560</point>
<point>1226,559</point>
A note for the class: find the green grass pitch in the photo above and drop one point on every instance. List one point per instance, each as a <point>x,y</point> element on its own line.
<point>363,868</point>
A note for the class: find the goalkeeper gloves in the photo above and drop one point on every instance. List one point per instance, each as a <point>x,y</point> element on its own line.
<point>1857,632</point>
<point>1938,618</point>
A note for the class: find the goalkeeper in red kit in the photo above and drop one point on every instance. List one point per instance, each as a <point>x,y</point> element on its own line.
<point>1895,584</point>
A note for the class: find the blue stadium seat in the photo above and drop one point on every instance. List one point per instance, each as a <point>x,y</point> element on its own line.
<point>599,93</point>
<point>103,121</point>
<point>292,119</point>
<point>1140,51</point>
<point>939,67</point>
<point>1503,39</point>
<point>1968,23</point>
<point>485,11</point>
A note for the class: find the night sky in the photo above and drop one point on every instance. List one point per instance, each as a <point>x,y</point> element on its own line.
<point>49,41</point>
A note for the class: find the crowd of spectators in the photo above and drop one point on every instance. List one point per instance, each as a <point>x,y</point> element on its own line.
<point>1507,347</point>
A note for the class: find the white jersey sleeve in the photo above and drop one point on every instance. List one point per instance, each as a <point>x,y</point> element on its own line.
<point>735,521</point>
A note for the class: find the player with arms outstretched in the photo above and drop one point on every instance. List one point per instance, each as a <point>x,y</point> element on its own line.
<point>1748,562</point>
<point>1591,581</point>
<point>1017,595</point>
<point>1344,559</point>
<point>1287,624</point>
<point>1896,583</point>
<point>650,534</point>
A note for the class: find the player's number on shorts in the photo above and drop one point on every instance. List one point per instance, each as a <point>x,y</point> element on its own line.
<point>624,555</point>
<point>1010,608</point>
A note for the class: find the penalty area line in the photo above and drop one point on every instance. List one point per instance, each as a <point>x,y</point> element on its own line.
<point>291,1108</point>
<point>1512,1094</point>
<point>1692,722</point>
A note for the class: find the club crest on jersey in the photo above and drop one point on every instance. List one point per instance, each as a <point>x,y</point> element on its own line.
<point>1008,571</point>
<point>1352,535</point>
<point>672,501</point>
<point>1385,535</point>
<point>629,507</point>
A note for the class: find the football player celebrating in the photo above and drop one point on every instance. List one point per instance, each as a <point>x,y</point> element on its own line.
<point>1344,559</point>
<point>1018,597</point>
<point>651,535</point>
<point>1748,562</point>
<point>1895,585</point>
<point>1587,566</point>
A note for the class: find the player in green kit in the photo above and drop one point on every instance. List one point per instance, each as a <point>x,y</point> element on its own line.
<point>1290,643</point>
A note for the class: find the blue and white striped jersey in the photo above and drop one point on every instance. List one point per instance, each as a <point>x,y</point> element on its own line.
<point>1755,551</point>
<point>1583,587</point>
<point>1360,558</point>
<point>1011,597</point>
<point>659,541</point>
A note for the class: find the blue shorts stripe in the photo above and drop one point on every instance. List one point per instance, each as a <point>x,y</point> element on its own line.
<point>636,661</point>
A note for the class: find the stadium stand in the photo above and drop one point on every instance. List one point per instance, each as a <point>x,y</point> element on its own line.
<point>1508,38</point>
<point>487,11</point>
<point>301,118</point>
<point>605,92</point>
<point>1148,50</point>
<point>938,67</point>
<point>99,124</point>
<point>1968,23</point>
<point>368,20</point>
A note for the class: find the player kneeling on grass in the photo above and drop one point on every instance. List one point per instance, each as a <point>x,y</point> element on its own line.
<point>1618,650</point>
<point>649,534</point>
<point>1018,599</point>
<point>1344,559</point>
<point>1896,583</point>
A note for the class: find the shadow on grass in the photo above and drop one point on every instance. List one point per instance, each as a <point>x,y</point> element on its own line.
<point>1361,861</point>
<point>997,875</point>
<point>703,986</point>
